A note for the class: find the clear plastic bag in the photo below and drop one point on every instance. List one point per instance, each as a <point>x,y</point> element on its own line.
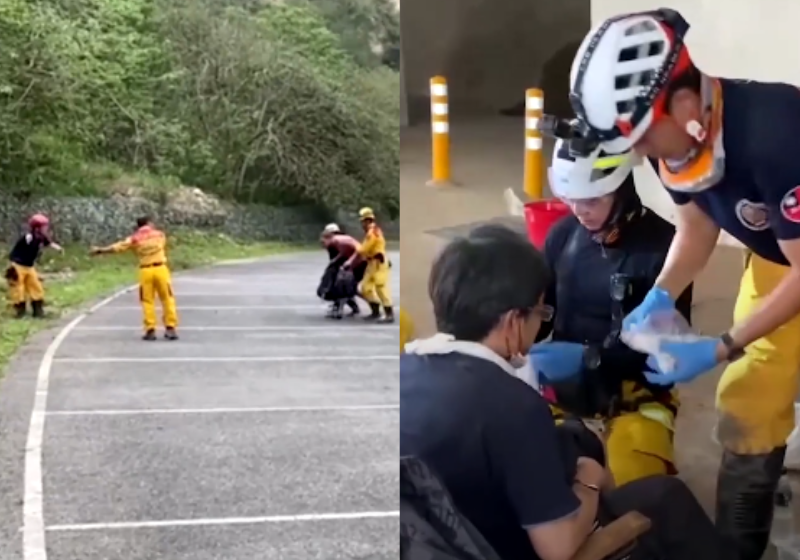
<point>657,328</point>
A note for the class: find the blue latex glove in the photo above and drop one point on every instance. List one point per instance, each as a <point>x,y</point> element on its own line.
<point>692,359</point>
<point>656,300</point>
<point>557,360</point>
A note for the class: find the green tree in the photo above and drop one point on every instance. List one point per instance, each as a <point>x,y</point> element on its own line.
<point>255,102</point>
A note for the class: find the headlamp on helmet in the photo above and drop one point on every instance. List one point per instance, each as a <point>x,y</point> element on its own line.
<point>577,139</point>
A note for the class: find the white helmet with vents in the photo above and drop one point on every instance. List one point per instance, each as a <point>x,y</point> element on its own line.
<point>619,72</point>
<point>331,229</point>
<point>599,174</point>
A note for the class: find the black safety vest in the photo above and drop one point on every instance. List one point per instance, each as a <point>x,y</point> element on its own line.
<point>596,287</point>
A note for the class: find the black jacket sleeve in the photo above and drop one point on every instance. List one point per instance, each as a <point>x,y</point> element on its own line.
<point>527,453</point>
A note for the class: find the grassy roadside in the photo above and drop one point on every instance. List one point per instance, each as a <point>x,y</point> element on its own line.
<point>74,278</point>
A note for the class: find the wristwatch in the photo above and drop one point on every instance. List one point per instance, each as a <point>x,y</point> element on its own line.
<point>734,350</point>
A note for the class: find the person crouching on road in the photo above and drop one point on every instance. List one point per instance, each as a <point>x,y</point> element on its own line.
<point>375,286</point>
<point>23,280</point>
<point>149,244</point>
<point>341,247</point>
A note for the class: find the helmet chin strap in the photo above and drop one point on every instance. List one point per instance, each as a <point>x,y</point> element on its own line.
<point>626,207</point>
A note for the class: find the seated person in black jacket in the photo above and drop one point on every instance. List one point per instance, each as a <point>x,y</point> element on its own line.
<point>491,438</point>
<point>605,258</point>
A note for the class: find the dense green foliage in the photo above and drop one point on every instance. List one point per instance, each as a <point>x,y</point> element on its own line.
<point>280,103</point>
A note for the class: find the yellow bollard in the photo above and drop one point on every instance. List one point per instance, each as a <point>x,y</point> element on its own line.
<point>534,166</point>
<point>440,133</point>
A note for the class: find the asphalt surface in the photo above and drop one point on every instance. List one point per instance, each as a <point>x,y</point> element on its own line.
<point>266,432</point>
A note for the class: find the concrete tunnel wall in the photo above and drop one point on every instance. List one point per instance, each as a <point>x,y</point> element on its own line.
<point>489,50</point>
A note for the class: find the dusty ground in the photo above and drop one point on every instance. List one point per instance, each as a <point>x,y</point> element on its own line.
<point>487,158</point>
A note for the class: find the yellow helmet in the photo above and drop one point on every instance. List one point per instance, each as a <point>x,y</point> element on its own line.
<point>366,213</point>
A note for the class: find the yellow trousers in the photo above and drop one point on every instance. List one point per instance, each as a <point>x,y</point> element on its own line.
<point>406,328</point>
<point>375,285</point>
<point>27,286</point>
<point>157,281</point>
<point>638,444</point>
<point>755,395</point>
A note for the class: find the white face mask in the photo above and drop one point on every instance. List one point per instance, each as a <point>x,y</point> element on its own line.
<point>518,361</point>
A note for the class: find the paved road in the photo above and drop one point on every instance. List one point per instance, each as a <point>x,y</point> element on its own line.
<point>266,432</point>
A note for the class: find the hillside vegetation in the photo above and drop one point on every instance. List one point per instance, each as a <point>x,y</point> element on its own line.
<point>285,103</point>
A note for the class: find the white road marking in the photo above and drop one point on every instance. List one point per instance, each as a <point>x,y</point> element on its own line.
<point>217,295</point>
<point>143,360</point>
<point>222,521</point>
<point>340,328</point>
<point>320,306</point>
<point>33,528</point>
<point>266,409</point>
<point>298,307</point>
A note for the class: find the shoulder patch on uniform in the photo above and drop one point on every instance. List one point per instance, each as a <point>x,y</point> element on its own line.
<point>790,205</point>
<point>752,215</point>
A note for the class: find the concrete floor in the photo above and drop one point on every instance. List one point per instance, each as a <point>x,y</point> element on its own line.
<point>266,432</point>
<point>487,158</point>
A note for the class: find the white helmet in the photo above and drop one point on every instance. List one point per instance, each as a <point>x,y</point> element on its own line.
<point>619,72</point>
<point>331,228</point>
<point>599,174</point>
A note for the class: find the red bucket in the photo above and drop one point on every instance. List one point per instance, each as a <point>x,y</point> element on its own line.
<point>541,216</point>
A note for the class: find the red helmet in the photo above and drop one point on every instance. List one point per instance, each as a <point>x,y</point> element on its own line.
<point>38,220</point>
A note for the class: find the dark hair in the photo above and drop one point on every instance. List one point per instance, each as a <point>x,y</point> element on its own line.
<point>691,79</point>
<point>143,221</point>
<point>478,279</point>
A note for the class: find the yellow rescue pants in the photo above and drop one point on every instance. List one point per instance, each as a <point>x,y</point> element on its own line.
<point>157,281</point>
<point>406,328</point>
<point>755,395</point>
<point>638,444</point>
<point>27,285</point>
<point>375,285</point>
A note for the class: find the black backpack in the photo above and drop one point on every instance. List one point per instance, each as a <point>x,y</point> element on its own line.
<point>431,528</point>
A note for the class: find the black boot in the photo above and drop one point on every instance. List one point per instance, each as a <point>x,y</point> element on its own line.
<point>354,309</point>
<point>149,335</point>
<point>171,334</point>
<point>38,309</point>
<point>335,312</point>
<point>375,312</point>
<point>19,310</point>
<point>388,315</point>
<point>746,488</point>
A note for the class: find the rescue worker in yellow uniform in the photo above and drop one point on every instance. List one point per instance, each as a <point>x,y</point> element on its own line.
<point>375,285</point>
<point>726,151</point>
<point>150,244</point>
<point>406,328</point>
<point>23,281</point>
<point>605,258</point>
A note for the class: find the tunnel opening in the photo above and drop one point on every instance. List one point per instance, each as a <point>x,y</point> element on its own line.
<point>490,51</point>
